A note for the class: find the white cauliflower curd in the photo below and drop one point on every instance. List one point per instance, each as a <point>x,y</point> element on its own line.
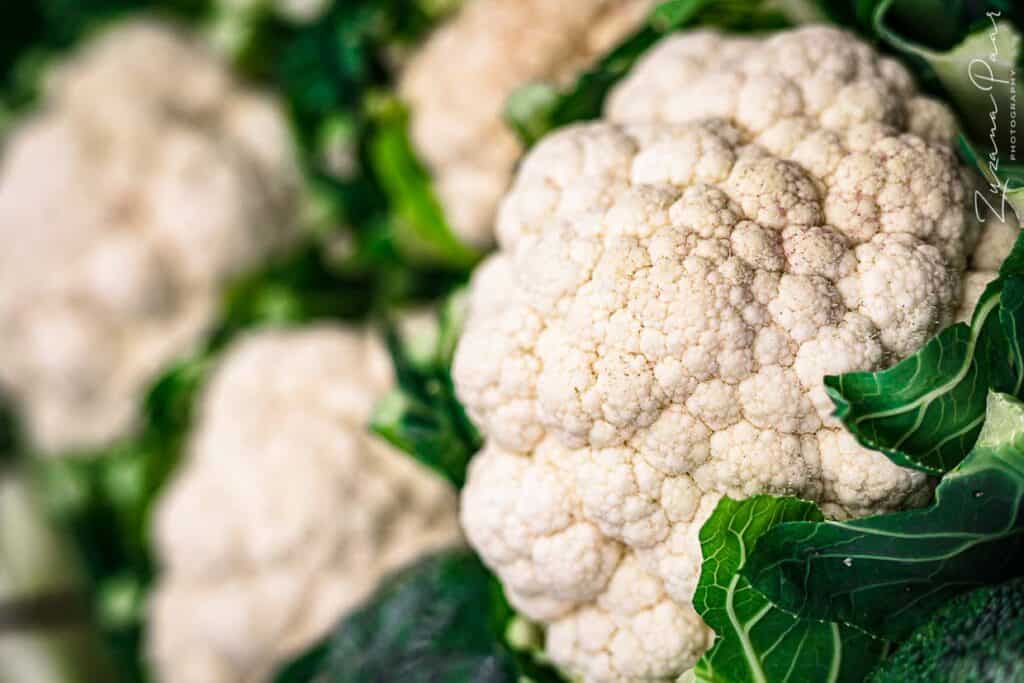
<point>286,512</point>
<point>672,284</point>
<point>457,84</point>
<point>147,179</point>
<point>994,245</point>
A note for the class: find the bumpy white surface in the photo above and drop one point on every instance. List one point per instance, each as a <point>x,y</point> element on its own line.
<point>994,245</point>
<point>458,82</point>
<point>669,292</point>
<point>286,512</point>
<point>147,179</point>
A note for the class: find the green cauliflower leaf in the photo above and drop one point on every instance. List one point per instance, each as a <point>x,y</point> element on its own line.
<point>757,641</point>
<point>886,573</point>
<point>927,411</point>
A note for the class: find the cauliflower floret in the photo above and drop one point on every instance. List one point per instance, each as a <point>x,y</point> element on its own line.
<point>125,205</point>
<point>457,85</point>
<point>669,291</point>
<point>994,245</point>
<point>286,512</point>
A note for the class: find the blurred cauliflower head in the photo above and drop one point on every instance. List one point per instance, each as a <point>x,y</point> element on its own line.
<point>287,512</point>
<point>148,178</point>
<point>457,85</point>
<point>669,292</point>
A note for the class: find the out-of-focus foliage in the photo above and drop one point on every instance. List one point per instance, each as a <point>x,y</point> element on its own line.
<point>33,32</point>
<point>418,225</point>
<point>974,638</point>
<point>422,415</point>
<point>364,178</point>
<point>46,634</point>
<point>9,438</point>
<point>105,499</point>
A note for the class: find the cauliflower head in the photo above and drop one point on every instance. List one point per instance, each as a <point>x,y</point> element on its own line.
<point>670,290</point>
<point>125,205</point>
<point>287,511</point>
<point>457,84</point>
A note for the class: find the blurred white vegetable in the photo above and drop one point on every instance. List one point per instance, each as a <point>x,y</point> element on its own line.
<point>457,84</point>
<point>287,511</point>
<point>147,179</point>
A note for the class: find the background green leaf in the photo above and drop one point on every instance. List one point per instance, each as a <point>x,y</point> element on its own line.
<point>367,188</point>
<point>422,416</point>
<point>35,32</point>
<point>418,225</point>
<point>975,638</point>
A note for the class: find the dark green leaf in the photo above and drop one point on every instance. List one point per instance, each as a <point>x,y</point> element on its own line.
<point>669,16</point>
<point>757,641</point>
<point>334,70</point>
<point>927,411</point>
<point>33,33</point>
<point>302,286</point>
<point>9,433</point>
<point>886,573</point>
<point>975,638</point>
<point>440,621</point>
<point>947,24</point>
